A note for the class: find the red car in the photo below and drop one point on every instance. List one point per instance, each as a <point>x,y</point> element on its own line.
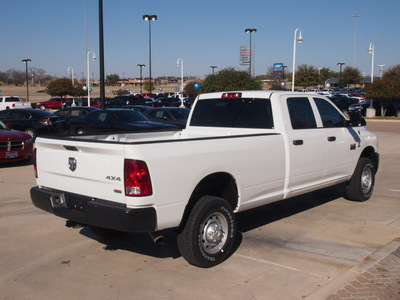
<point>14,145</point>
<point>54,103</point>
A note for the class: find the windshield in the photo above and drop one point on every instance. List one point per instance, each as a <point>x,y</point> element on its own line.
<point>233,112</point>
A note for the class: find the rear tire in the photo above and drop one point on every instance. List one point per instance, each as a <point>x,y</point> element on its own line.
<point>209,233</point>
<point>361,184</point>
<point>80,131</point>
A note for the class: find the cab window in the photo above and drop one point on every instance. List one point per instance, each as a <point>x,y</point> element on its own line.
<point>301,113</point>
<point>329,114</point>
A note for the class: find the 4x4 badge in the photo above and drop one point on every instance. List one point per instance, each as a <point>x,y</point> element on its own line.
<point>72,162</point>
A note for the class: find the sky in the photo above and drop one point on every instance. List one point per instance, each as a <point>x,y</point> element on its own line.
<point>202,33</point>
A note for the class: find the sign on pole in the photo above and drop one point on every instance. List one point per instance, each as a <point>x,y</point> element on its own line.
<point>278,67</point>
<point>245,55</point>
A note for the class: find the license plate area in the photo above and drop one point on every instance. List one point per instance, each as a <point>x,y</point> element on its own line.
<point>12,154</point>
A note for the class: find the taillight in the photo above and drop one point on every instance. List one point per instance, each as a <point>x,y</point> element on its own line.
<point>45,121</point>
<point>35,162</point>
<point>13,105</point>
<point>231,95</point>
<point>137,178</point>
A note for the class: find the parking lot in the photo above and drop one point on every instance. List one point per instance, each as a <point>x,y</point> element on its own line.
<point>293,249</point>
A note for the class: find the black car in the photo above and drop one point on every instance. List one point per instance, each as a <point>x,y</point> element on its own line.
<point>122,101</point>
<point>33,121</point>
<point>71,112</point>
<point>167,102</point>
<point>113,120</point>
<point>392,106</point>
<point>170,115</point>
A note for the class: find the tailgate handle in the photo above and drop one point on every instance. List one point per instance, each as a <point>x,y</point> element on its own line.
<point>298,142</point>
<point>331,138</point>
<point>70,148</point>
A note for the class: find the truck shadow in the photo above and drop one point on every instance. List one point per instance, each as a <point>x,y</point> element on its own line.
<point>246,221</point>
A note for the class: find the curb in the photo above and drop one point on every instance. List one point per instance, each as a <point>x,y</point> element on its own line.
<point>336,284</point>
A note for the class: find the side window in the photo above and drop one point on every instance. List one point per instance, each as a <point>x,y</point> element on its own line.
<point>329,115</point>
<point>301,113</point>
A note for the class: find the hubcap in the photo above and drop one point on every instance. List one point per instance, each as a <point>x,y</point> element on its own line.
<point>214,233</point>
<point>366,180</point>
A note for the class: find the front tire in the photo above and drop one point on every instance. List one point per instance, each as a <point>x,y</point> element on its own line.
<point>42,107</point>
<point>361,184</point>
<point>209,233</point>
<point>31,132</point>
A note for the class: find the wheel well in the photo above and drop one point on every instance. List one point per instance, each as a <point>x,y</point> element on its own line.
<point>372,155</point>
<point>221,185</point>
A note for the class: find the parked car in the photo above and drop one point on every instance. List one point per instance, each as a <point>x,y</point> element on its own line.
<point>9,102</point>
<point>54,103</point>
<point>188,101</point>
<point>14,145</point>
<point>167,102</point>
<point>94,102</point>
<point>33,121</point>
<point>68,113</point>
<point>122,101</point>
<point>392,107</point>
<point>113,120</point>
<point>170,115</point>
<point>139,108</point>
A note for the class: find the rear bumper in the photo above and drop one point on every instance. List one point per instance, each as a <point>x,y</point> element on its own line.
<point>95,212</point>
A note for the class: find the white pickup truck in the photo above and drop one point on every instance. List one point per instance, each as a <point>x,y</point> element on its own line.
<point>9,102</point>
<point>239,150</point>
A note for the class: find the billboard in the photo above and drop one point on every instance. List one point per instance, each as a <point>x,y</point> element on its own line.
<point>278,67</point>
<point>245,55</point>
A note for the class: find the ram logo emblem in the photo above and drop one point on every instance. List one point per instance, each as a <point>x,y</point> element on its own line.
<point>72,162</point>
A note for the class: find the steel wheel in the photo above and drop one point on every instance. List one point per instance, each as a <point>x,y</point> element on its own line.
<point>366,179</point>
<point>214,233</point>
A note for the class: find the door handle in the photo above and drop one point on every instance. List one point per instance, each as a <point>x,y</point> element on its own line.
<point>331,138</point>
<point>298,142</point>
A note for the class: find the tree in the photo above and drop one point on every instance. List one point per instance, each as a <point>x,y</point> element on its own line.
<point>306,76</point>
<point>60,87</point>
<point>190,90</point>
<point>18,77</point>
<point>146,86</point>
<point>351,75</point>
<point>112,79</point>
<point>324,74</point>
<point>37,73</point>
<point>384,91</point>
<point>392,74</point>
<point>230,79</point>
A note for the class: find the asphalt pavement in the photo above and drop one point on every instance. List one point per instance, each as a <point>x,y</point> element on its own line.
<point>316,246</point>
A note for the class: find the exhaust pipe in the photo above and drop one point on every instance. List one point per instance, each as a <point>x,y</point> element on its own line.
<point>157,237</point>
<point>73,224</point>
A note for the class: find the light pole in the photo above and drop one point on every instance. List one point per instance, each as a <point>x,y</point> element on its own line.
<point>300,40</point>
<point>319,76</point>
<point>372,51</point>
<point>250,30</point>
<point>141,78</point>
<point>150,18</point>
<point>381,67</point>
<point>213,67</point>
<point>340,71</point>
<point>181,64</point>
<point>88,73</point>
<point>71,69</point>
<point>355,16</point>
<point>26,60</point>
<point>283,75</point>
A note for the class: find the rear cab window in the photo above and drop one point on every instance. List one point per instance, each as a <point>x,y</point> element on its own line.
<point>234,113</point>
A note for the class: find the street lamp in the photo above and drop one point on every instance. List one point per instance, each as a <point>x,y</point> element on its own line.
<point>213,67</point>
<point>141,78</point>
<point>381,67</point>
<point>150,18</point>
<point>300,40</point>
<point>26,60</point>
<point>340,71</point>
<point>283,74</point>
<point>372,51</point>
<point>181,64</point>
<point>250,30</point>
<point>355,16</point>
<point>88,73</point>
<point>72,74</point>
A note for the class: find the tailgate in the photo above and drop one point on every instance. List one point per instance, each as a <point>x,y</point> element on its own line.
<point>91,169</point>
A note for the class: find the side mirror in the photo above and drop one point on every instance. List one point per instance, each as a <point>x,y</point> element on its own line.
<point>356,119</point>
